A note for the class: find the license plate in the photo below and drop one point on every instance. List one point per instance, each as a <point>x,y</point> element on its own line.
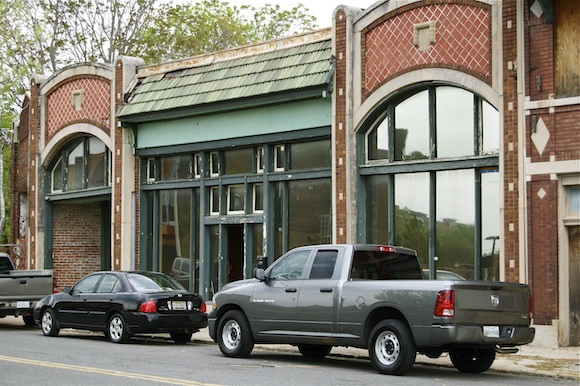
<point>23,304</point>
<point>179,306</point>
<point>491,331</point>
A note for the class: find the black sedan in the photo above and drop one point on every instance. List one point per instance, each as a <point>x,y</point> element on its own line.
<point>123,304</point>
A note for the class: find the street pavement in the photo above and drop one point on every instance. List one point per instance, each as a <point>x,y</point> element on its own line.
<point>561,362</point>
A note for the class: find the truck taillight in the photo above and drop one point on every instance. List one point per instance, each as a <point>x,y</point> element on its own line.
<point>445,305</point>
<point>383,248</point>
<point>148,306</point>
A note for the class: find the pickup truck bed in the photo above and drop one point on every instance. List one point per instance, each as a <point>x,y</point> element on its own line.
<point>372,297</point>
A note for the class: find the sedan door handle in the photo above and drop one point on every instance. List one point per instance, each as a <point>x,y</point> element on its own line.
<point>291,290</point>
<point>326,290</point>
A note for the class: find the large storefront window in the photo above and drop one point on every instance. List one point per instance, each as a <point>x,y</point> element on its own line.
<point>212,212</point>
<point>430,172</point>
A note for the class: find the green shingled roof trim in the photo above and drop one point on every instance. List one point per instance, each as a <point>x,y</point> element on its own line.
<point>286,70</point>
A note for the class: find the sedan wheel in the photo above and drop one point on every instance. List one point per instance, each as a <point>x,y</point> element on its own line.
<point>181,337</point>
<point>49,323</point>
<point>117,329</point>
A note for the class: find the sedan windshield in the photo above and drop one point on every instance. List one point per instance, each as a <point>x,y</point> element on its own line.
<point>153,282</point>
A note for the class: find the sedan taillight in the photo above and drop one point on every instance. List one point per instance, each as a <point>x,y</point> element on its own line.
<point>148,306</point>
<point>445,305</point>
<point>203,307</point>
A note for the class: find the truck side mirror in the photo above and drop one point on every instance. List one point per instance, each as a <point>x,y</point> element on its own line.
<point>259,274</point>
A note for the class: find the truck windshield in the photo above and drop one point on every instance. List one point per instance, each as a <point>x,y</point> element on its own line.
<point>375,265</point>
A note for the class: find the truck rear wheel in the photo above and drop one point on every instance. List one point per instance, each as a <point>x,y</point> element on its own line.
<point>392,349</point>
<point>469,360</point>
<point>234,335</point>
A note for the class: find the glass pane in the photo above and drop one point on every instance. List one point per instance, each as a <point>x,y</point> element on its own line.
<point>490,222</point>
<point>455,221</point>
<point>378,141</point>
<point>310,155</point>
<point>239,161</point>
<point>280,210</point>
<point>574,200</point>
<point>412,128</point>
<point>214,164</point>
<point>96,163</point>
<point>378,209</point>
<point>258,197</point>
<point>74,179</point>
<point>279,157</point>
<point>57,176</point>
<point>175,168</point>
<point>214,242</point>
<point>236,195</point>
<point>257,246</point>
<point>490,128</point>
<point>309,212</point>
<point>412,214</point>
<point>215,200</point>
<point>174,234</point>
<point>455,125</point>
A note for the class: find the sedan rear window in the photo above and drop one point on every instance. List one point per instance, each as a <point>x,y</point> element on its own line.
<point>153,282</point>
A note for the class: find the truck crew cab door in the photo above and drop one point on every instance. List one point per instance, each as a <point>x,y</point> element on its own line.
<point>319,294</point>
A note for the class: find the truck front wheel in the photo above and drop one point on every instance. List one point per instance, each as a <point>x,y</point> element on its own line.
<point>392,349</point>
<point>234,335</point>
<point>469,360</point>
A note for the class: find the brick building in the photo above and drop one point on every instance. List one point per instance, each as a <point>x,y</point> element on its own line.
<point>451,127</point>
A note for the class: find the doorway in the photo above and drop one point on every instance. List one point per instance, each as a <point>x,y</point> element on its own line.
<point>235,256</point>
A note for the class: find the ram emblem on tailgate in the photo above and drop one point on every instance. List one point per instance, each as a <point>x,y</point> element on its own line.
<point>495,300</point>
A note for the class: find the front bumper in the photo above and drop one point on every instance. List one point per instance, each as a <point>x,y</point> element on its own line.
<point>509,336</point>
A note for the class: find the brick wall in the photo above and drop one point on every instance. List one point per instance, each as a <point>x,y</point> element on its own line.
<point>96,108</point>
<point>76,242</point>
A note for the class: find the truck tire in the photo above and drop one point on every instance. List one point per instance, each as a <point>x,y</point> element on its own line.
<point>234,335</point>
<point>49,323</point>
<point>392,349</point>
<point>28,320</point>
<point>314,350</point>
<point>117,329</point>
<point>469,360</point>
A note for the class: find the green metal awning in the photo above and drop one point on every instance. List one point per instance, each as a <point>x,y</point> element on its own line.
<point>261,73</point>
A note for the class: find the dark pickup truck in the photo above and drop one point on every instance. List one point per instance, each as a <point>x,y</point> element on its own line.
<point>20,290</point>
<point>372,297</point>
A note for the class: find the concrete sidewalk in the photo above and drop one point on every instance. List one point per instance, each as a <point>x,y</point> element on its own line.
<point>562,362</point>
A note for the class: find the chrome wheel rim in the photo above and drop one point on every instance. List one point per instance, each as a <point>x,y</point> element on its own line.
<point>47,322</point>
<point>116,328</point>
<point>387,347</point>
<point>231,335</point>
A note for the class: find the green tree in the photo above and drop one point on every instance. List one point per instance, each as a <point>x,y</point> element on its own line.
<point>184,30</point>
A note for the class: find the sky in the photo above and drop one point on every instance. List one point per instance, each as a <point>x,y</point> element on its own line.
<point>322,9</point>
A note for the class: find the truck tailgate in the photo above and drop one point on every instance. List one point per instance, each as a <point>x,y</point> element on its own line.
<point>28,285</point>
<point>491,303</point>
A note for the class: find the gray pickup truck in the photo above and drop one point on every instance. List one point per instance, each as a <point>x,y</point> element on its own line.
<point>372,297</point>
<point>21,290</point>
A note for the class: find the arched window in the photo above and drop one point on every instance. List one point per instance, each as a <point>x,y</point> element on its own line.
<point>430,180</point>
<point>82,164</point>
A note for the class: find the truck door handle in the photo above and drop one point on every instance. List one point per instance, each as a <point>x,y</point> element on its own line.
<point>291,290</point>
<point>326,290</point>
<point>22,281</point>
